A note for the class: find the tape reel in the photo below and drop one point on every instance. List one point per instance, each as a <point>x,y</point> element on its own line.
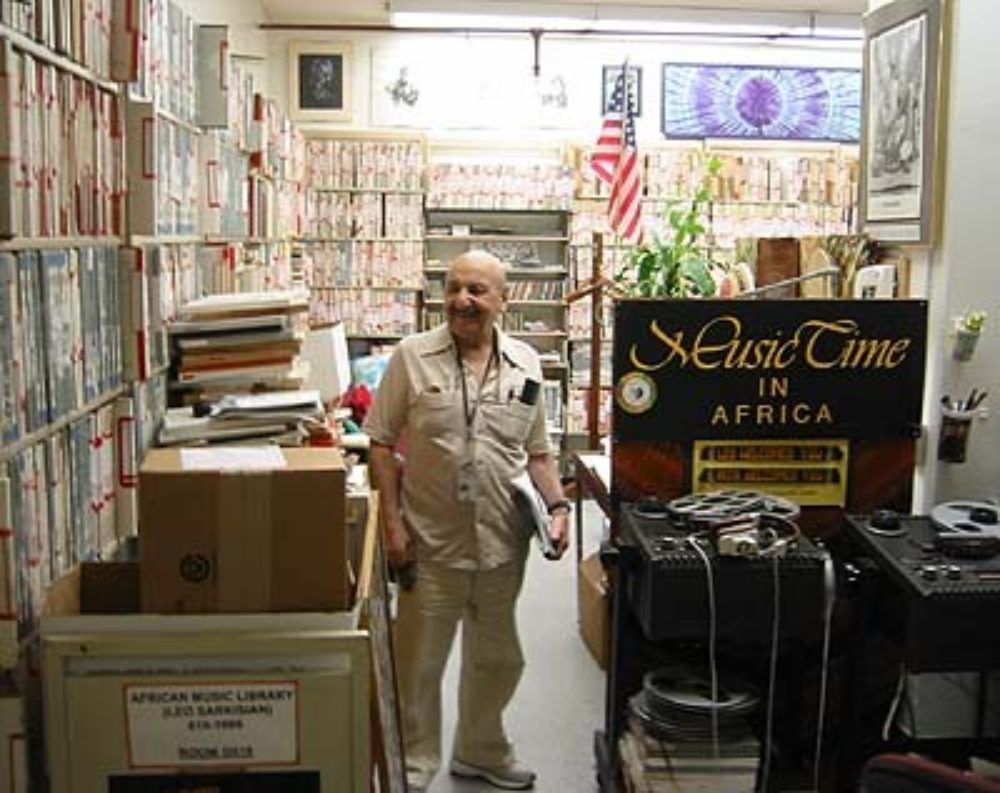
<point>673,690</point>
<point>967,517</point>
<point>677,705</point>
<point>706,508</point>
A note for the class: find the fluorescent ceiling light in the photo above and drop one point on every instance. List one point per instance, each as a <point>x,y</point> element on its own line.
<point>481,14</point>
<point>434,19</point>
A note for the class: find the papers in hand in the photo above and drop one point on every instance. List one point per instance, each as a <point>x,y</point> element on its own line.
<point>533,513</point>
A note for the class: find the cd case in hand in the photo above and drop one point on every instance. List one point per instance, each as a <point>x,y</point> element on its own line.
<point>533,512</point>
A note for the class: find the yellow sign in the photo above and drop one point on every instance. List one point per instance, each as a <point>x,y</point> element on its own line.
<point>809,472</point>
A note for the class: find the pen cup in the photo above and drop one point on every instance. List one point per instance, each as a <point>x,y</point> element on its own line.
<point>953,439</point>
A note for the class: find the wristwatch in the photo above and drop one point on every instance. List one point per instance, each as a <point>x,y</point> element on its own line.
<point>562,503</point>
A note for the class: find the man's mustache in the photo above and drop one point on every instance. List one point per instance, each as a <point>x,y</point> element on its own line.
<point>468,313</point>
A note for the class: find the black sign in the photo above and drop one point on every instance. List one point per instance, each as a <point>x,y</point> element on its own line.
<point>703,369</point>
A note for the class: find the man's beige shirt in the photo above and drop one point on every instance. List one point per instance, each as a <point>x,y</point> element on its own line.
<point>421,393</point>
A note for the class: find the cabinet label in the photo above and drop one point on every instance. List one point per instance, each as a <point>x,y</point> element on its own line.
<point>211,724</point>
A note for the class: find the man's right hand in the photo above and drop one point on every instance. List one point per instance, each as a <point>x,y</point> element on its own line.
<point>400,549</point>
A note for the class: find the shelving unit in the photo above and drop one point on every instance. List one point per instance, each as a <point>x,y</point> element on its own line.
<point>63,389</point>
<point>363,240</point>
<point>533,243</point>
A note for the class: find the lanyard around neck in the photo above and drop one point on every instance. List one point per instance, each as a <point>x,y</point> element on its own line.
<point>470,413</point>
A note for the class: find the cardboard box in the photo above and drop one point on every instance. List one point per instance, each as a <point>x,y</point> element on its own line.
<point>94,588</point>
<point>592,603</point>
<point>243,529</point>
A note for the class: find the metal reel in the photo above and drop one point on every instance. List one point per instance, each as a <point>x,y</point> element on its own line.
<point>706,508</point>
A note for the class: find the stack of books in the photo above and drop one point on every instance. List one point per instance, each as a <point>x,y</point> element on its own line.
<point>239,343</point>
<point>286,418</point>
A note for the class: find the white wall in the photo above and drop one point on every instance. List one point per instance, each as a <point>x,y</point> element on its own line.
<point>965,270</point>
<point>243,18</point>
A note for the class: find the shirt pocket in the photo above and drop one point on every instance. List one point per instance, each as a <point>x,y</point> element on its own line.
<point>509,422</point>
<point>438,414</point>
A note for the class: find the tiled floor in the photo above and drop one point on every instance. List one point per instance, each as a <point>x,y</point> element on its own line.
<point>560,702</point>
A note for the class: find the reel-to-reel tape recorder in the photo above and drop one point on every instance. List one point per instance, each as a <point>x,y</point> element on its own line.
<point>746,539</point>
<point>947,567</point>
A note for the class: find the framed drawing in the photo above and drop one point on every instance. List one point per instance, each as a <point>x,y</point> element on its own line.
<point>760,102</point>
<point>319,81</point>
<point>610,74</point>
<point>903,64</point>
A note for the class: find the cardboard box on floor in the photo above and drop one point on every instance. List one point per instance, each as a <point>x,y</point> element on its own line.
<point>243,529</point>
<point>592,604</point>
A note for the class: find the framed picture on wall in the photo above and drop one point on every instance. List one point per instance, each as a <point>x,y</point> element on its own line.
<point>754,102</point>
<point>319,75</point>
<point>610,75</point>
<point>902,122</point>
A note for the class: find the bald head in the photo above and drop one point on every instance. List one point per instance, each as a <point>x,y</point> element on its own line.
<point>488,265</point>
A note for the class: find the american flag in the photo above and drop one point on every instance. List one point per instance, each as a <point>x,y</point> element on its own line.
<point>616,162</point>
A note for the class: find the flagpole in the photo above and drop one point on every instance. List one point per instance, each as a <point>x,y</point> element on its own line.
<point>596,305</point>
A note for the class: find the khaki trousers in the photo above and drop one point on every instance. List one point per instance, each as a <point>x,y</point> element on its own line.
<point>484,603</point>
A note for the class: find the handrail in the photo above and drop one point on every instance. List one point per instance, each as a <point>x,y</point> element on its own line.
<point>827,272</point>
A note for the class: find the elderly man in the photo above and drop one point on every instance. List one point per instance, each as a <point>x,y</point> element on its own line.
<point>469,398</point>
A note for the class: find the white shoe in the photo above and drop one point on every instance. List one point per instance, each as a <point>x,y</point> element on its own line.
<point>417,781</point>
<point>507,777</point>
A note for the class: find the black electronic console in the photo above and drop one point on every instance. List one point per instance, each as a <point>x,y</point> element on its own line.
<point>748,543</point>
<point>945,569</point>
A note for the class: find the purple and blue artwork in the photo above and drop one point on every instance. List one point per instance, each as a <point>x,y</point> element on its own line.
<point>761,102</point>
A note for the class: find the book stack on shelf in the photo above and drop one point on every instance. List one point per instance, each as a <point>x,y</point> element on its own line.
<point>238,343</point>
<point>364,237</point>
<point>284,418</point>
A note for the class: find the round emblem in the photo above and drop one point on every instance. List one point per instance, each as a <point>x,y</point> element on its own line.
<point>636,392</point>
<point>195,568</point>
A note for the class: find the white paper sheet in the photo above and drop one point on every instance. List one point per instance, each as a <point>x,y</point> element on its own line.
<point>244,458</point>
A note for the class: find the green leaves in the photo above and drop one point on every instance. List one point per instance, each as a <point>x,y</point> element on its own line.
<point>678,266</point>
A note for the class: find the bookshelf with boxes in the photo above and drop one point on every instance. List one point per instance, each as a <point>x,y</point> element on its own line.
<point>362,247</point>
<point>66,411</point>
<point>160,258</point>
<point>211,160</point>
<point>519,212</point>
<point>767,189</point>
<point>252,204</point>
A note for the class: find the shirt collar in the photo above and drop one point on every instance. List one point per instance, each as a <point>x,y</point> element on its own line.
<point>439,340</point>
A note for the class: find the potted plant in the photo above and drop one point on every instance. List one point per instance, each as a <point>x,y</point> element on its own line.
<point>967,332</point>
<point>679,264</point>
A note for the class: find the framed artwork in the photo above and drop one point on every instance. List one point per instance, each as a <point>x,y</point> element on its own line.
<point>903,63</point>
<point>319,81</point>
<point>610,75</point>
<point>761,102</point>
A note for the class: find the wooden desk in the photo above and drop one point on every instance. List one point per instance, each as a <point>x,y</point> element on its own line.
<point>593,478</point>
